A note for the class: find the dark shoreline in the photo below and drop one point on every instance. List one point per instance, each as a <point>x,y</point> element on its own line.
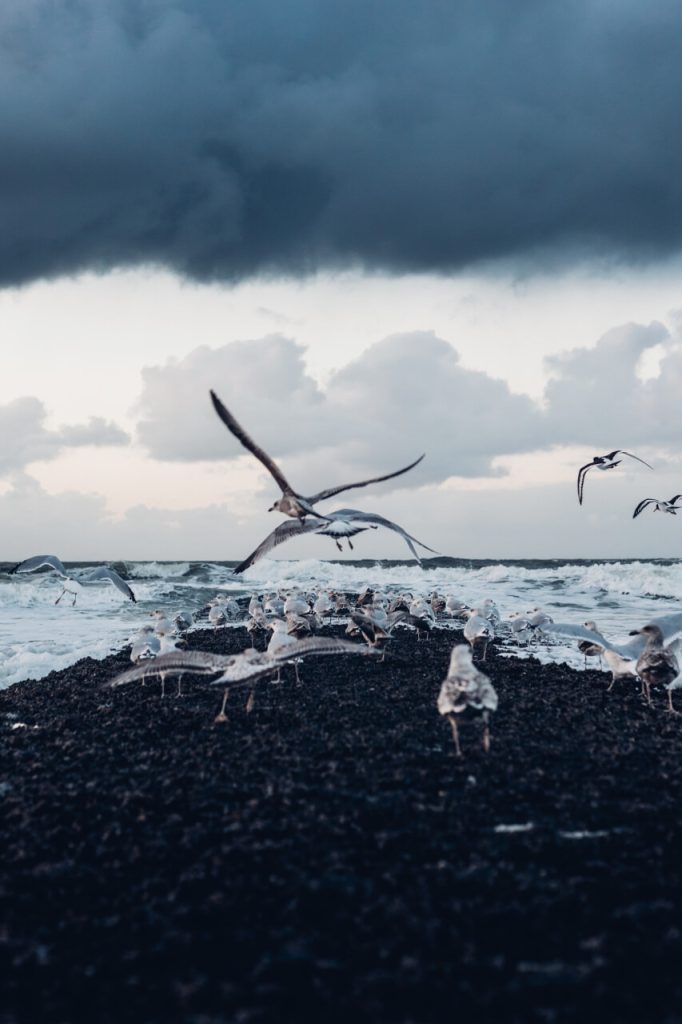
<point>327,858</point>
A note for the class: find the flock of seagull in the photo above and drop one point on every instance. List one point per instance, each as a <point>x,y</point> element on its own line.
<point>291,621</point>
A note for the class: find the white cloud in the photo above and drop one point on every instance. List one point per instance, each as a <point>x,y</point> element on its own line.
<point>26,438</point>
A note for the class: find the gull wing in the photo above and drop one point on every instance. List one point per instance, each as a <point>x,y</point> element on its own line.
<point>182,663</point>
<point>579,632</point>
<point>669,625</point>
<point>319,645</point>
<point>642,505</point>
<point>248,443</point>
<point>582,472</point>
<point>331,491</point>
<point>103,572</point>
<point>619,451</point>
<point>38,561</point>
<point>285,531</point>
<point>372,517</point>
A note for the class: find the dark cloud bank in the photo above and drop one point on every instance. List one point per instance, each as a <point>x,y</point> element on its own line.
<point>225,139</point>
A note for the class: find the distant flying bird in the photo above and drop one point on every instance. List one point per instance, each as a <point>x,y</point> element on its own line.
<point>659,505</point>
<point>72,584</point>
<point>345,522</point>
<point>604,462</point>
<point>291,503</point>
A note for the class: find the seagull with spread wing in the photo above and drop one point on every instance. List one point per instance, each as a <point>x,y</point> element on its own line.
<point>603,462</point>
<point>292,504</point>
<point>659,505</point>
<point>345,522</point>
<point>71,584</point>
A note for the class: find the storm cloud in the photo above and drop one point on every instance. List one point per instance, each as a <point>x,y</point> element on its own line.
<point>225,139</point>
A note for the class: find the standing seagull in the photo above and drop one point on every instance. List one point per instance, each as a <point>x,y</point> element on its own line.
<point>659,505</point>
<point>464,688</point>
<point>609,461</point>
<point>292,504</point>
<point>656,663</point>
<point>71,584</point>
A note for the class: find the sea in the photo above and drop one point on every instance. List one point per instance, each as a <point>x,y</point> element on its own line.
<point>37,636</point>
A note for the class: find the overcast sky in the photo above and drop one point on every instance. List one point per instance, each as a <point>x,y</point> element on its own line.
<point>376,229</point>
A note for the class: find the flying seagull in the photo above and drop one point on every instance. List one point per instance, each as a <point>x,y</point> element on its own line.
<point>236,668</point>
<point>345,522</point>
<point>604,462</point>
<point>292,504</point>
<point>659,505</point>
<point>72,584</point>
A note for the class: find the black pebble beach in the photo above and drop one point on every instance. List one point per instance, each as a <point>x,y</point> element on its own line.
<point>327,858</point>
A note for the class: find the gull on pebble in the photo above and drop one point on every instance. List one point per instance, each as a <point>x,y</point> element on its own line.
<point>183,620</point>
<point>464,688</point>
<point>235,669</point>
<point>478,630</point>
<point>604,462</point>
<point>589,649</point>
<point>291,503</point>
<point>657,663</point>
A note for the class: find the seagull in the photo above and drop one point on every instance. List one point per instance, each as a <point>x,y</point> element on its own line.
<point>478,630</point>
<point>236,668</point>
<point>466,687</point>
<point>604,462</point>
<point>71,585</point>
<point>345,522</point>
<point>622,658</point>
<point>589,649</point>
<point>656,663</point>
<point>659,506</point>
<point>292,504</point>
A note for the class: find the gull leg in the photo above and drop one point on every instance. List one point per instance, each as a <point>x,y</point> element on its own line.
<point>298,678</point>
<point>486,735</point>
<point>74,600</point>
<point>671,709</point>
<point>250,702</point>
<point>485,649</point>
<point>163,684</point>
<point>611,684</point>
<point>179,693</point>
<point>455,734</point>
<point>60,596</point>
<point>221,716</point>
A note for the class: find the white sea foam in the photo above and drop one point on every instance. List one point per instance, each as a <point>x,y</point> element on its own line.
<point>36,636</point>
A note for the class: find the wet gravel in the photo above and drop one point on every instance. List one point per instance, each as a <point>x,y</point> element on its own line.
<point>326,857</point>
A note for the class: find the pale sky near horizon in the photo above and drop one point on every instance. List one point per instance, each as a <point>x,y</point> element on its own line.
<point>216,211</point>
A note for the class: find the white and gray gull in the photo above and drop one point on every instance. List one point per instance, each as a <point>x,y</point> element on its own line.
<point>345,522</point>
<point>72,584</point>
<point>291,503</point>
<point>604,462</point>
<point>659,505</point>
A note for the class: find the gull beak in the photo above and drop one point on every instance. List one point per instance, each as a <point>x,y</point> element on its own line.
<point>634,632</point>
